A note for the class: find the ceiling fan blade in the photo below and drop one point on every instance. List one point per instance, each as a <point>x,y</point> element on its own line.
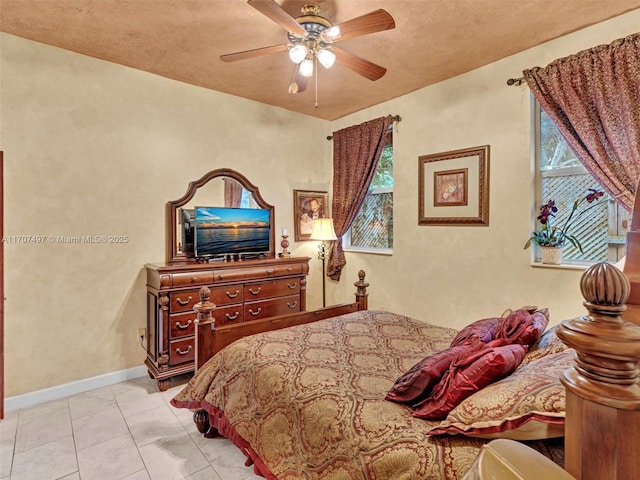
<point>256,52</point>
<point>359,65</point>
<point>375,21</point>
<point>275,12</point>
<point>298,83</point>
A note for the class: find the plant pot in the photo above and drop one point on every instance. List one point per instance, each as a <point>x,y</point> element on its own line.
<point>551,255</point>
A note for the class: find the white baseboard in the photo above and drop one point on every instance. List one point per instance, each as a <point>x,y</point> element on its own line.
<point>67,389</point>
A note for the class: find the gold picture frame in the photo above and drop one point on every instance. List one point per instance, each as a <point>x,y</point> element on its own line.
<point>308,204</point>
<point>454,187</point>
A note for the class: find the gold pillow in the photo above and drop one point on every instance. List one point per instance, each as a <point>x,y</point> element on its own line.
<point>529,404</point>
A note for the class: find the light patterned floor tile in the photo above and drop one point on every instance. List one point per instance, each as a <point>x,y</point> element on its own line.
<point>91,402</point>
<point>140,475</point>
<point>172,457</point>
<point>151,425</point>
<point>8,429</point>
<point>226,459</point>
<point>97,428</point>
<point>47,408</point>
<point>110,460</point>
<point>49,461</point>
<point>205,474</point>
<point>36,430</point>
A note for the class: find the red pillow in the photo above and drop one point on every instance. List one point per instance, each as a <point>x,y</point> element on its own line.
<point>420,379</point>
<point>479,329</point>
<point>521,326</point>
<point>472,370</point>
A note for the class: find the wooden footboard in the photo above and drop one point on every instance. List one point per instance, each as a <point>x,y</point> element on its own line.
<point>211,339</point>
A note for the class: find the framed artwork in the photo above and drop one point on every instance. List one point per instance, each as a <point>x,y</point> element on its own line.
<point>454,187</point>
<point>307,206</point>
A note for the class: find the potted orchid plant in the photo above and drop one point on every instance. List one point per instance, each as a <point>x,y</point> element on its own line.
<point>551,236</point>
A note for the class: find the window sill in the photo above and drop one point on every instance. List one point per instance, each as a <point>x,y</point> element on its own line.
<point>387,252</point>
<point>562,266</point>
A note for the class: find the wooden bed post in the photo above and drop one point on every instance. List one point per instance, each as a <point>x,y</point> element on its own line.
<point>602,429</point>
<point>204,322</point>
<point>361,292</point>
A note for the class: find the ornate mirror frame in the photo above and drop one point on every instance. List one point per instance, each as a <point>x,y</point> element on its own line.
<point>172,252</point>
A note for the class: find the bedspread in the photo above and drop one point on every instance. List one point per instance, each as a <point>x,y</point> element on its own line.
<point>307,402</point>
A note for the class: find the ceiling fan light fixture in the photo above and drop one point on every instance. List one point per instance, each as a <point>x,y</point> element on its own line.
<point>326,57</point>
<point>306,67</point>
<point>330,33</point>
<point>298,53</point>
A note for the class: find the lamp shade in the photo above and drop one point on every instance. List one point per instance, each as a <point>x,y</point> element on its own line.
<point>323,229</point>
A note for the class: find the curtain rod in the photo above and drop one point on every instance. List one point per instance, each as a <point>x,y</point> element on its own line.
<point>394,118</point>
<point>515,81</point>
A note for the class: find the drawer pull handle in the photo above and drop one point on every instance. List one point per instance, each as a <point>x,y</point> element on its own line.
<point>184,302</point>
<point>292,305</point>
<point>292,286</point>
<point>194,279</point>
<point>256,292</point>
<point>257,312</point>
<point>182,327</point>
<point>233,295</point>
<point>232,317</point>
<point>289,269</point>
<point>180,352</point>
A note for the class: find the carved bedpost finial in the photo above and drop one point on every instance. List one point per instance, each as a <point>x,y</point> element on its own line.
<point>605,289</point>
<point>361,292</point>
<point>204,307</point>
<point>608,347</point>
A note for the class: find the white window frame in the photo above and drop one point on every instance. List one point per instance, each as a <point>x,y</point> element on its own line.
<point>615,213</point>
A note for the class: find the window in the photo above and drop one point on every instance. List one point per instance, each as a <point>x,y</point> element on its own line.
<point>561,177</point>
<point>372,229</point>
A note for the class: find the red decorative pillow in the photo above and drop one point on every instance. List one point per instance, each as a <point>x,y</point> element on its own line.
<point>472,370</point>
<point>479,329</point>
<point>521,326</point>
<point>420,379</point>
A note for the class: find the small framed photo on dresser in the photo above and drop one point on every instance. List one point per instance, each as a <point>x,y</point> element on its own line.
<point>307,206</point>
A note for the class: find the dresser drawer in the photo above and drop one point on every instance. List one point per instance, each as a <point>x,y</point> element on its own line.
<point>273,288</point>
<point>181,351</point>
<point>191,278</point>
<point>228,315</point>
<point>271,308</point>
<point>239,274</point>
<point>289,269</point>
<point>227,295</point>
<point>182,324</point>
<point>183,301</point>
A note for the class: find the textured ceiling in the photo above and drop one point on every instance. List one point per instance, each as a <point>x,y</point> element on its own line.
<point>183,40</point>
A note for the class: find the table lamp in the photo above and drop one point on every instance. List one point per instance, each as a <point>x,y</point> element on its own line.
<point>323,231</point>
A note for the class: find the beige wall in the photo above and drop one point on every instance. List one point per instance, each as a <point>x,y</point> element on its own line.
<point>454,275</point>
<point>95,148</point>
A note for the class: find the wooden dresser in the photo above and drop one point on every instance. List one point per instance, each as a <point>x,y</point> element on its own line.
<point>243,291</point>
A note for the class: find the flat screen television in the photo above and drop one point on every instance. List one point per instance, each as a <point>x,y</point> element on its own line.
<point>187,218</point>
<point>221,231</point>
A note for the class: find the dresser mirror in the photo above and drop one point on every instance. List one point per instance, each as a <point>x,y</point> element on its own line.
<point>223,187</point>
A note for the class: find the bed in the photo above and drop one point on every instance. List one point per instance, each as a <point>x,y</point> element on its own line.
<point>309,401</point>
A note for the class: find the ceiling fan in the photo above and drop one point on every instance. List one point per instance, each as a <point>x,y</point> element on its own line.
<point>311,40</point>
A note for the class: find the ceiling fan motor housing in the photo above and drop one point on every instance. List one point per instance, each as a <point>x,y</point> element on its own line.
<point>312,22</point>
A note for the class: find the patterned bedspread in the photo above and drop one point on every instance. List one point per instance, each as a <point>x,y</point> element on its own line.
<point>307,402</point>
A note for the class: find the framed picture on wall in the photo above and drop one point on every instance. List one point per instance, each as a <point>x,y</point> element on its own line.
<point>454,187</point>
<point>307,206</point>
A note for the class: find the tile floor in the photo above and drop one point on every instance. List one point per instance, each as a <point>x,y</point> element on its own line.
<point>124,431</point>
